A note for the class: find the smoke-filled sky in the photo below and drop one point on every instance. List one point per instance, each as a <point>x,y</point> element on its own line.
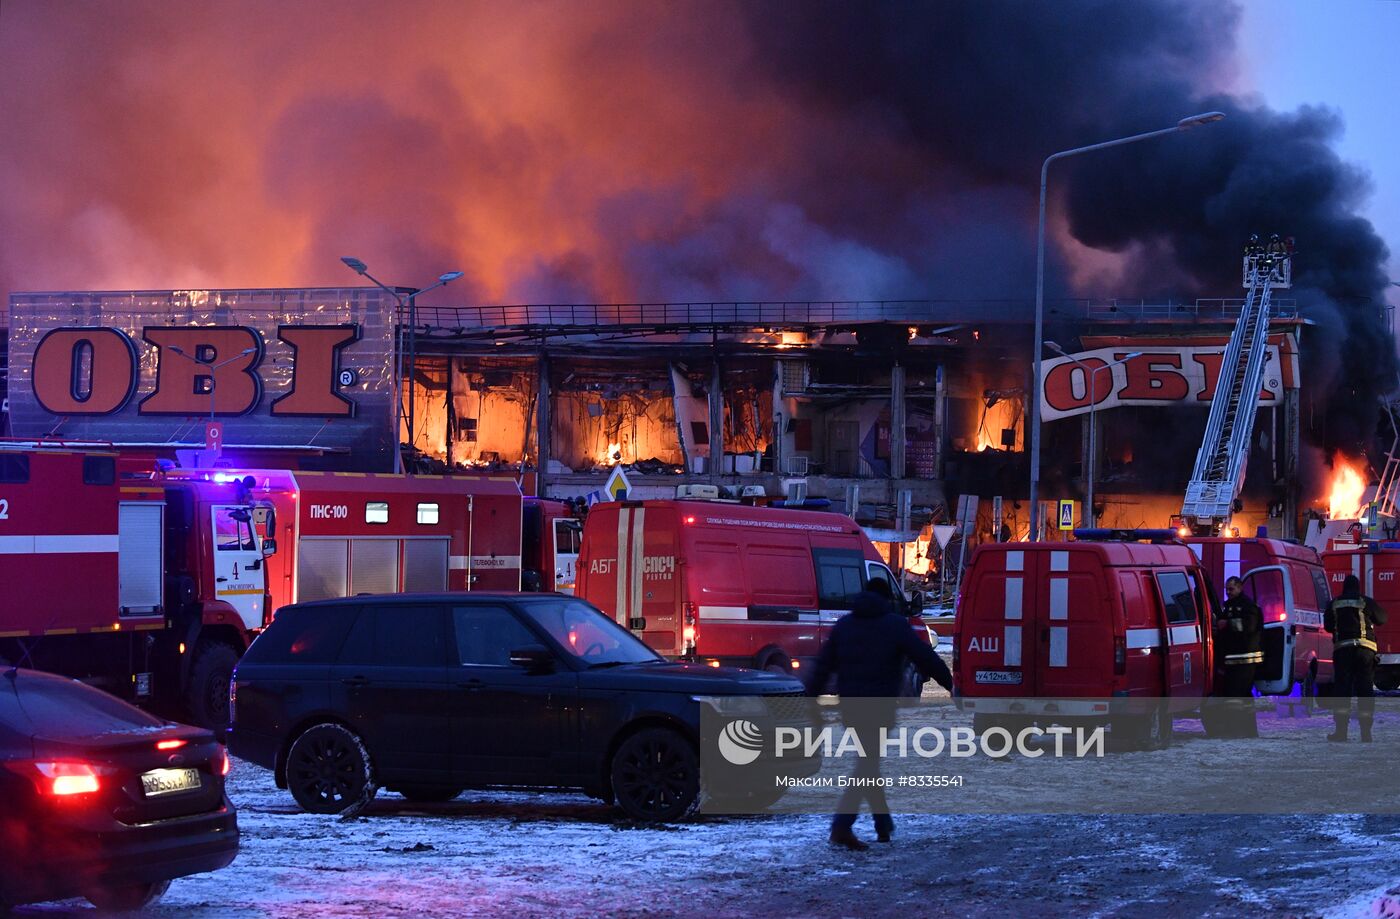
<point>684,150</point>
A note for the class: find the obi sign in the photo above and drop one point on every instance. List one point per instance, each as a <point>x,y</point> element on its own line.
<point>276,368</point>
<point>1166,372</point>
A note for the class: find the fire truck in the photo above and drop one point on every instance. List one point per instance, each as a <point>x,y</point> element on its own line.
<point>1377,566</point>
<point>725,583</point>
<point>147,587</point>
<point>344,533</point>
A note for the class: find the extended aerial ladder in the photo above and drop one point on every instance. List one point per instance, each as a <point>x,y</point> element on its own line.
<point>1218,476</point>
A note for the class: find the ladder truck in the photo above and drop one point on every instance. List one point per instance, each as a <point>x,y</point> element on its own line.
<point>1212,495</point>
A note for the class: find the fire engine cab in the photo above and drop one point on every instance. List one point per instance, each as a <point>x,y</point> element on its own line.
<point>147,587</point>
<point>549,546</point>
<point>727,583</point>
<point>1062,631</point>
<point>1377,566</point>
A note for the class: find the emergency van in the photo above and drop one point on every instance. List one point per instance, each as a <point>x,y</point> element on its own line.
<point>728,583</point>
<point>1288,582</point>
<point>346,533</point>
<point>1377,566</point>
<point>1063,631</point>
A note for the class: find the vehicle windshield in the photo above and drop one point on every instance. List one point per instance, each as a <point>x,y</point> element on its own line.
<point>587,635</point>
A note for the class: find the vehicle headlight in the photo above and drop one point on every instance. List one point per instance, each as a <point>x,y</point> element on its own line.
<point>735,706</point>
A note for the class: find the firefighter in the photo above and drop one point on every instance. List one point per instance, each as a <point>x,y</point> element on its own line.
<point>1239,628</point>
<point>867,650</point>
<point>1351,619</point>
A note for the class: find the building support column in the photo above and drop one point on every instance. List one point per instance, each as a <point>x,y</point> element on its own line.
<point>1290,463</point>
<point>897,422</point>
<point>779,421</point>
<point>716,461</point>
<point>542,424</point>
<point>451,409</point>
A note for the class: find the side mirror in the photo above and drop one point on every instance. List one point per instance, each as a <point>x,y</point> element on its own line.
<point>916,603</point>
<point>269,546</point>
<point>533,658</point>
<point>636,623</point>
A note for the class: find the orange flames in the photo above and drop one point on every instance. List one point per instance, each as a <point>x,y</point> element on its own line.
<point>1346,490</point>
<point>995,419</point>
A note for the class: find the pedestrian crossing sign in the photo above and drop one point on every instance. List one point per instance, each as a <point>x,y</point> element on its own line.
<point>1066,515</point>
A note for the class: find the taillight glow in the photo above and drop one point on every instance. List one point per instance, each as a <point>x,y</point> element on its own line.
<point>689,520</point>
<point>67,779</point>
<point>169,744</point>
<point>225,764</point>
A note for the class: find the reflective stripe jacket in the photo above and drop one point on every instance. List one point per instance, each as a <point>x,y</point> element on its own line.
<point>1238,635</point>
<point>1352,622</point>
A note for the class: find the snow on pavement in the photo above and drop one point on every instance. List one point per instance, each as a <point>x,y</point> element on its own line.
<point>562,855</point>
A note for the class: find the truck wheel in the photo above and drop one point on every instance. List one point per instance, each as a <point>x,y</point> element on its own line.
<point>1387,679</point>
<point>206,697</point>
<point>328,770</point>
<point>911,685</point>
<point>656,776</point>
<point>126,897</point>
<point>1152,731</point>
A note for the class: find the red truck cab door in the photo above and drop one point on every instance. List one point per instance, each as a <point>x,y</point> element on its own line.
<point>1272,589</point>
<point>238,563</point>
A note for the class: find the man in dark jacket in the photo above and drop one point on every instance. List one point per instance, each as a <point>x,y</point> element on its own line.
<point>1238,630</point>
<point>1352,619</point>
<point>867,650</point>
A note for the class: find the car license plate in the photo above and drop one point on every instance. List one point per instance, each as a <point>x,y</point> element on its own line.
<point>168,781</point>
<point>1004,677</point>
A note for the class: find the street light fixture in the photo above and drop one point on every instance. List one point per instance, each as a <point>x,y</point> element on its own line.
<point>176,349</point>
<point>1185,124</point>
<point>1091,378</point>
<point>360,268</point>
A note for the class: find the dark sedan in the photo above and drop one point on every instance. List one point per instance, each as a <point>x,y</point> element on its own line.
<point>428,695</point>
<point>102,800</point>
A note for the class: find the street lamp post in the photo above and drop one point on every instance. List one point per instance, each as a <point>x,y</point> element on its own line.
<point>1184,124</point>
<point>176,349</point>
<point>362,269</point>
<point>1091,378</point>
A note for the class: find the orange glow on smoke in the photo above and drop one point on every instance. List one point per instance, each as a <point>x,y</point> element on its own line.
<point>1347,487</point>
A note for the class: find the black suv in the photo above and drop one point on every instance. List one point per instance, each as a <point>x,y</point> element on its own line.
<point>427,695</point>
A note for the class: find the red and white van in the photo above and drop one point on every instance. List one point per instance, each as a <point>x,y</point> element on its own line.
<point>1054,631</point>
<point>1377,566</point>
<point>725,583</point>
<point>1288,582</point>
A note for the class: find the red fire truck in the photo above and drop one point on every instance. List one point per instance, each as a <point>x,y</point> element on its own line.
<point>147,587</point>
<point>727,583</point>
<point>346,533</point>
<point>1288,582</point>
<point>1063,631</point>
<point>1377,566</point>
<point>549,545</point>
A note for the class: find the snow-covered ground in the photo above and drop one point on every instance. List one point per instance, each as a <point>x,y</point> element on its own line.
<point>562,855</point>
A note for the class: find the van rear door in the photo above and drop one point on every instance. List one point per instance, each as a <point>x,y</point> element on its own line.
<point>1271,588</point>
<point>1075,631</point>
<point>994,617</point>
